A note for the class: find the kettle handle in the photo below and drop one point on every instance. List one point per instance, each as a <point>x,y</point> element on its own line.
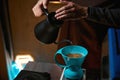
<point>45,11</point>
<point>64,40</point>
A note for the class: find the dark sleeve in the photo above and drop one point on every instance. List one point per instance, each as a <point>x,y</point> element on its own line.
<point>110,17</point>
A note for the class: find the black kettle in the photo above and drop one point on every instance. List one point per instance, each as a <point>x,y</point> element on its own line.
<point>47,30</point>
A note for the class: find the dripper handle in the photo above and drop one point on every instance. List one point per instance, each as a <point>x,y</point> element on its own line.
<point>60,63</point>
<point>45,11</point>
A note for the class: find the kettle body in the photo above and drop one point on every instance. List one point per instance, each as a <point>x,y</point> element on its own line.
<point>47,30</point>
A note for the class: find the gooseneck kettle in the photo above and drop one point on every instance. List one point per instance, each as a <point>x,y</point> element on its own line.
<point>47,30</point>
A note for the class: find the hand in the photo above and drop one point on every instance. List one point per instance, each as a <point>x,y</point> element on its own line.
<point>37,8</point>
<point>71,11</point>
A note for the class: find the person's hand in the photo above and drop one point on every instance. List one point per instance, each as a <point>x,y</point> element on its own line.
<point>71,11</point>
<point>37,8</point>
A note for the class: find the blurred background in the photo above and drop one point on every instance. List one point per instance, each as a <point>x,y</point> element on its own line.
<point>18,44</point>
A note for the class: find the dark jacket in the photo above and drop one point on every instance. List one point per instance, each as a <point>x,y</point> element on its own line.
<point>109,15</point>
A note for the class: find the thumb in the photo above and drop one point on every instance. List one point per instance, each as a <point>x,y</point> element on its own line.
<point>45,4</point>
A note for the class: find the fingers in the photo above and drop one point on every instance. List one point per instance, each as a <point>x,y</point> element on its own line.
<point>68,6</point>
<point>37,8</point>
<point>66,14</point>
<point>71,11</point>
<point>65,11</point>
<point>45,3</point>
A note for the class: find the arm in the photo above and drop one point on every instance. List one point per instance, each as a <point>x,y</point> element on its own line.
<point>73,11</point>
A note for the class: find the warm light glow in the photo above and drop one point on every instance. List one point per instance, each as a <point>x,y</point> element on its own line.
<point>55,2</point>
<point>22,60</point>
